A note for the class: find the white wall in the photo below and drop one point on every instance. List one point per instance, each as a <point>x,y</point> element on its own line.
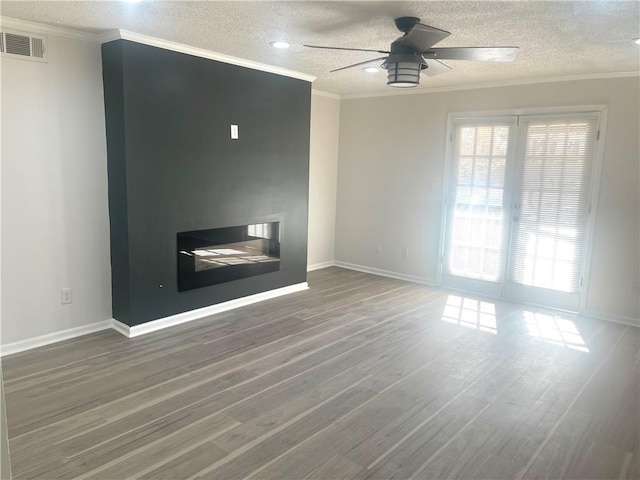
<point>390,175</point>
<point>55,226</point>
<point>323,171</point>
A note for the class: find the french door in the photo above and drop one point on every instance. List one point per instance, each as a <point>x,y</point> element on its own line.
<point>518,206</point>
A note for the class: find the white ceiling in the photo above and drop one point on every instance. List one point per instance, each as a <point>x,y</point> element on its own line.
<point>556,38</point>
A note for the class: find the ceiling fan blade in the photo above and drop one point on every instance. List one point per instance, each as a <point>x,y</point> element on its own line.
<point>492,54</point>
<point>352,49</point>
<point>422,37</point>
<point>358,64</point>
<point>434,67</point>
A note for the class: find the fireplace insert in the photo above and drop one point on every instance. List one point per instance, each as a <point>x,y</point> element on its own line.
<point>218,255</point>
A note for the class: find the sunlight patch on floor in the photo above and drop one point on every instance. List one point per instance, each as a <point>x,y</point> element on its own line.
<point>555,329</point>
<point>470,313</point>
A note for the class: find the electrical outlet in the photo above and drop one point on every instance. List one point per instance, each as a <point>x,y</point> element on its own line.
<point>67,296</point>
<point>635,288</point>
<point>378,248</point>
<point>404,252</point>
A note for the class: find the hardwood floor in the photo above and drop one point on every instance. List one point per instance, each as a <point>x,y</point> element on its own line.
<point>359,377</point>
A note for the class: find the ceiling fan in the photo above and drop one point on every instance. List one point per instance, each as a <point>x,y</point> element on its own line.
<point>414,52</point>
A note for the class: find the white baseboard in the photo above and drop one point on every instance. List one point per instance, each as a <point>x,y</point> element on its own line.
<point>386,273</point>
<point>607,317</point>
<point>42,340</point>
<point>148,327</point>
<point>319,266</point>
<point>611,317</point>
<point>120,327</point>
<point>199,313</point>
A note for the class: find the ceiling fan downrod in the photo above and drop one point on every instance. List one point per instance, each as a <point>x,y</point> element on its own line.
<point>405,24</point>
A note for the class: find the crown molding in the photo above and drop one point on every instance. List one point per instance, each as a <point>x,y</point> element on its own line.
<point>512,83</point>
<point>201,52</point>
<point>322,93</point>
<point>108,36</point>
<point>43,29</point>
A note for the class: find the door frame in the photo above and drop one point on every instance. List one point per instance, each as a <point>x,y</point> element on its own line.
<point>488,115</point>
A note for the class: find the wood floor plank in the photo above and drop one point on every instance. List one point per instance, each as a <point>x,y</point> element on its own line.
<point>188,464</point>
<point>256,454</point>
<point>495,467</point>
<point>631,467</point>
<point>355,427</point>
<point>136,402</point>
<point>265,417</point>
<point>498,425</point>
<point>156,454</point>
<point>129,422</point>
<point>336,467</point>
<point>359,377</point>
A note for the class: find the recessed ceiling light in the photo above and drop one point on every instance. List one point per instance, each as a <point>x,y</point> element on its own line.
<point>279,44</point>
<point>371,69</point>
<point>636,41</point>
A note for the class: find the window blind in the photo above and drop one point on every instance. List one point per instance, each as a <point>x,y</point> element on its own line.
<point>551,214</point>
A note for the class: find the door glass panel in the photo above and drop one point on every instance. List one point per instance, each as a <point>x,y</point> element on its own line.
<point>476,249</point>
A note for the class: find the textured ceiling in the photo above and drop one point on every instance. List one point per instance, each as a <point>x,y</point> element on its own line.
<point>556,38</point>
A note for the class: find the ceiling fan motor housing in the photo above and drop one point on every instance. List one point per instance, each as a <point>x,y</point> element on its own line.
<point>405,58</point>
<point>404,24</point>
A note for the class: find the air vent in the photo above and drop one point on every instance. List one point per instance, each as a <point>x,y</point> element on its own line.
<point>18,44</point>
<point>23,45</point>
<point>37,47</point>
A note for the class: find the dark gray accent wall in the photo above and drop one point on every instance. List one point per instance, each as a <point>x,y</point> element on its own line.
<point>173,167</point>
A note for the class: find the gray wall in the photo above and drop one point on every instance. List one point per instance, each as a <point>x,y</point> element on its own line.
<point>173,167</point>
<point>55,223</point>
<point>390,174</point>
<point>323,176</point>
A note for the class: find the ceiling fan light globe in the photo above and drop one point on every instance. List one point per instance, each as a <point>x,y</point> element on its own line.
<point>402,84</point>
<point>403,74</point>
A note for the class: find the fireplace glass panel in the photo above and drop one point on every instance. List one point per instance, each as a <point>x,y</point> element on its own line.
<point>218,255</point>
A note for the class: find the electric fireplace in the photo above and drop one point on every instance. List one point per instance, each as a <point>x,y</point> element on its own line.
<point>218,255</point>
